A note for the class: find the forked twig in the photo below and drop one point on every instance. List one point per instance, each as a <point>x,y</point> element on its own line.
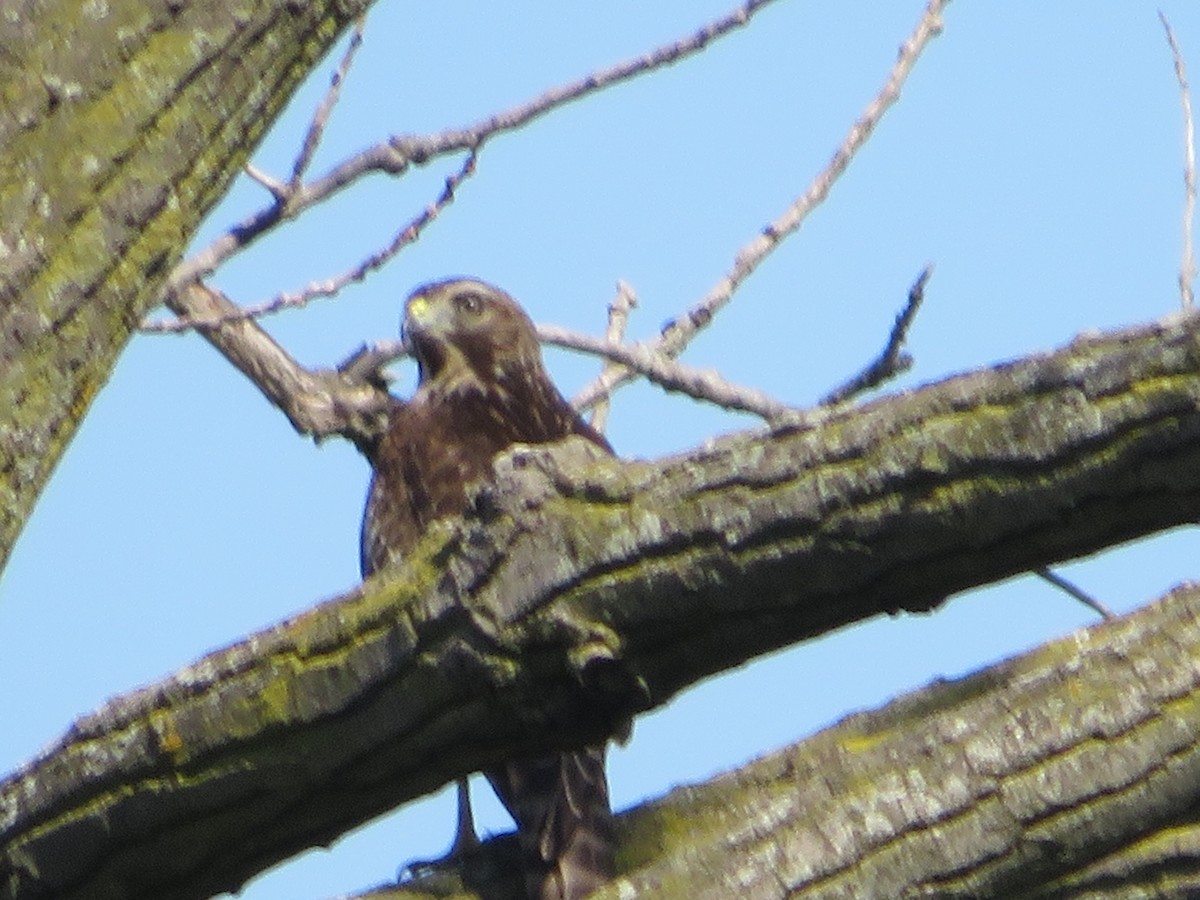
<point>273,186</point>
<point>396,154</point>
<point>331,286</point>
<point>618,318</point>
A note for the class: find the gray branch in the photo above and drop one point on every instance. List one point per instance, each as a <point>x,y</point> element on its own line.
<point>581,591</point>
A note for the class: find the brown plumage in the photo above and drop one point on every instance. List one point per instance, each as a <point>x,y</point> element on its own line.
<point>483,388</point>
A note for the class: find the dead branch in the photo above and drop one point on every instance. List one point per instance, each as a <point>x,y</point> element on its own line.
<point>891,361</point>
<point>618,318</point>
<point>706,385</point>
<point>318,403</point>
<point>331,286</point>
<point>395,155</point>
<point>272,185</point>
<point>699,384</point>
<point>679,332</point>
<point>1076,592</point>
<point>320,119</point>
<point>1187,266</point>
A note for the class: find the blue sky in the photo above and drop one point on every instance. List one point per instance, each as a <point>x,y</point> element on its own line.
<point>1035,157</point>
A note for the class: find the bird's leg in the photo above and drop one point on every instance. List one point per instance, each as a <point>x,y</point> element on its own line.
<point>465,837</point>
<point>466,841</point>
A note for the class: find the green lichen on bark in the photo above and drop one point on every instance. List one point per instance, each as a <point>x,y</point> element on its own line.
<point>581,590</point>
<point>1068,772</point>
<point>128,123</point>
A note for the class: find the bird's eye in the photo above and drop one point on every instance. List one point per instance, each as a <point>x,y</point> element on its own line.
<point>471,304</point>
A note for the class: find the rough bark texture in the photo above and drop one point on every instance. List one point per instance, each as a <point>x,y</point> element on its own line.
<point>318,402</point>
<point>1072,771</point>
<point>122,124</point>
<point>1075,768</point>
<point>580,591</point>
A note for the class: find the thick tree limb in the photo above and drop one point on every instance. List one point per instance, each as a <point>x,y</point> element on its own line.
<point>1073,770</point>
<point>123,123</point>
<point>581,591</point>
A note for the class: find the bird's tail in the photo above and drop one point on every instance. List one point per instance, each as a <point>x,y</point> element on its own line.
<point>564,822</point>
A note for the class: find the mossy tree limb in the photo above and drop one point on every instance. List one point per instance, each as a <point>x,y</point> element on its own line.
<point>1071,771</point>
<point>123,123</point>
<point>580,591</point>
<point>1049,775</point>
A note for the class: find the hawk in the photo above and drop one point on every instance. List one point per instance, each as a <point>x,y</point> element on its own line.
<point>482,387</point>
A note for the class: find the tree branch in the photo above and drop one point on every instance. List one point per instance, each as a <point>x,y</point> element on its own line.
<point>1076,592</point>
<point>669,374</point>
<point>330,286</point>
<point>478,649</point>
<point>1187,265</point>
<point>114,144</point>
<point>1030,778</point>
<point>318,403</point>
<point>320,119</point>
<point>394,156</point>
<point>618,317</point>
<point>891,361</point>
<point>678,333</point>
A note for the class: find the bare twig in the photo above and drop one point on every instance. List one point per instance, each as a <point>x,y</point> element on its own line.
<point>679,332</point>
<point>395,155</point>
<point>618,318</point>
<point>669,374</point>
<point>274,186</point>
<point>891,361</point>
<point>1187,267</point>
<point>365,364</point>
<point>1078,593</point>
<point>320,119</point>
<point>331,286</point>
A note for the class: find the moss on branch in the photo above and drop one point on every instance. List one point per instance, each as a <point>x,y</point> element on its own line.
<point>124,123</point>
<point>581,591</point>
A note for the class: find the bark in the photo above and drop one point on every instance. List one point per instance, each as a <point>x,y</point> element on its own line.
<point>580,591</point>
<point>318,402</point>
<point>1072,771</point>
<point>123,123</point>
<point>1075,768</point>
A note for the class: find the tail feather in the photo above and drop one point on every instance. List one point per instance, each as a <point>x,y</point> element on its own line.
<point>564,822</point>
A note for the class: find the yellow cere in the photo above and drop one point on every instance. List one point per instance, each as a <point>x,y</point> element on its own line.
<point>418,306</point>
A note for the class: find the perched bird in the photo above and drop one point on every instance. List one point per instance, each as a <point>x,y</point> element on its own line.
<point>483,388</point>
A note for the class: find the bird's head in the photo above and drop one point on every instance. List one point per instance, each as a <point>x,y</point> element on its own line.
<point>467,334</point>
